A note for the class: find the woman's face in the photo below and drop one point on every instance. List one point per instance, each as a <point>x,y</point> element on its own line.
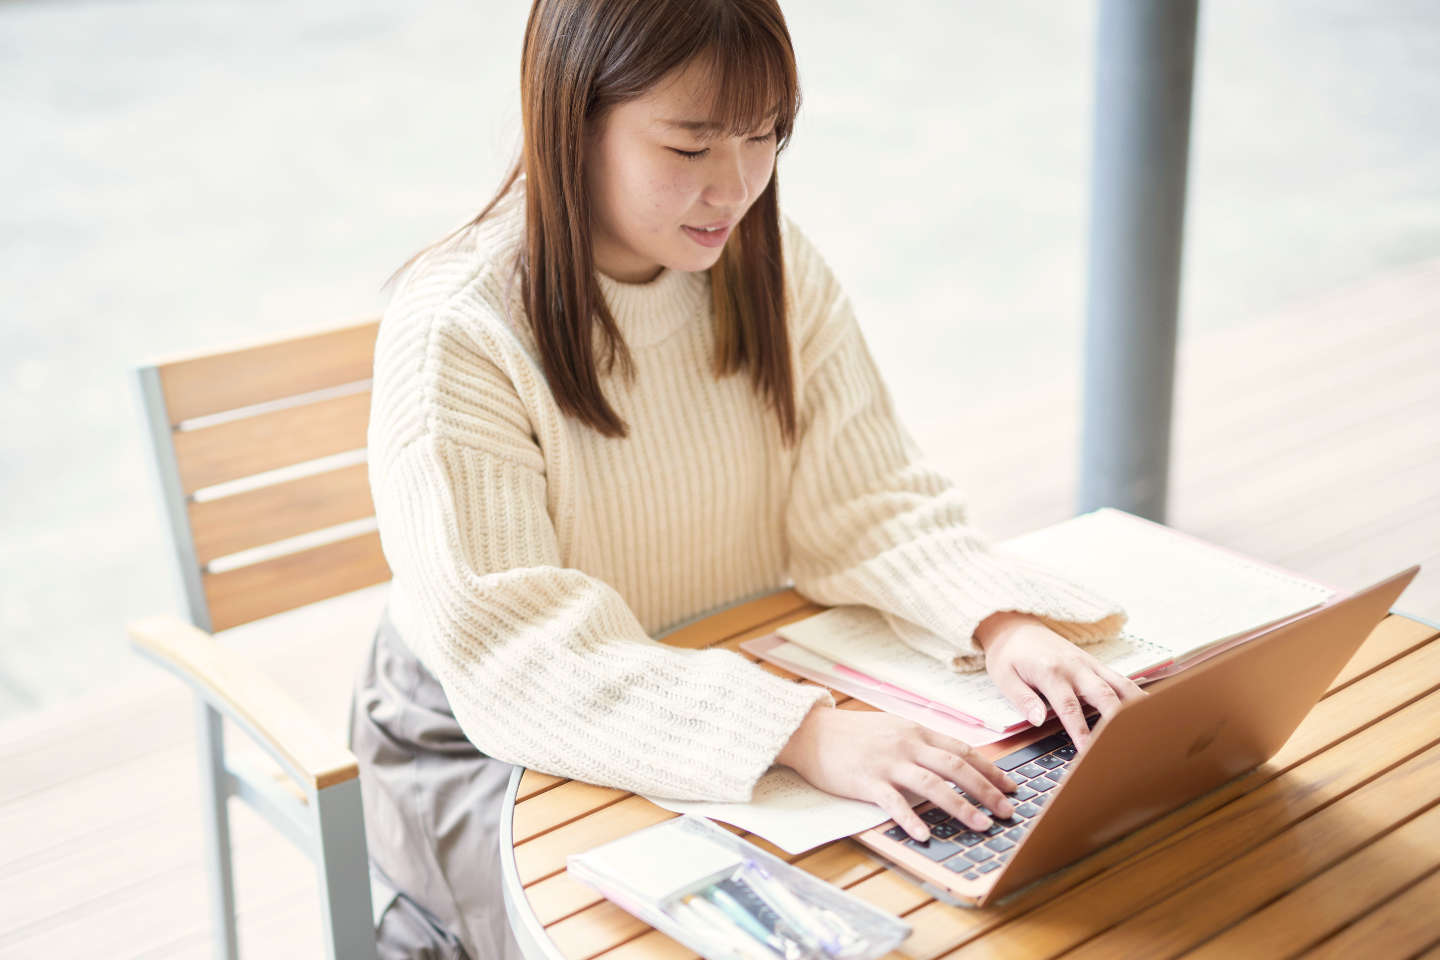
<point>657,176</point>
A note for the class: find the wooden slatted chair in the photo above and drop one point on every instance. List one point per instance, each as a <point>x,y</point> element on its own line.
<point>260,454</point>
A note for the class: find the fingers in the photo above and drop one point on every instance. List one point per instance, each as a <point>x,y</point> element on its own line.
<point>1064,685</point>
<point>925,774</point>
<point>932,786</point>
<point>1127,689</point>
<point>967,753</point>
<point>1018,692</point>
<point>1057,689</point>
<point>1097,691</point>
<point>968,776</point>
<point>889,799</point>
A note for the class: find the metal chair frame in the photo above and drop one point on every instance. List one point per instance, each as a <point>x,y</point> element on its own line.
<point>322,815</point>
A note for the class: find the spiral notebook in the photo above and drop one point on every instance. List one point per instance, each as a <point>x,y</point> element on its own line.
<point>1187,601</point>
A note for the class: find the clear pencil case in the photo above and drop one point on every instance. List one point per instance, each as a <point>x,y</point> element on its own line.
<point>727,899</point>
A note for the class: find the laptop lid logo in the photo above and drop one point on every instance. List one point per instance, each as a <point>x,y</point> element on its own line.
<point>1204,740</point>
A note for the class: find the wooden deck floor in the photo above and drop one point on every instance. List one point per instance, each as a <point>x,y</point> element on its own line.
<point>1310,438</point>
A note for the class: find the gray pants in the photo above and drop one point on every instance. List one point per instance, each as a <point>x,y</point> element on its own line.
<point>432,810</point>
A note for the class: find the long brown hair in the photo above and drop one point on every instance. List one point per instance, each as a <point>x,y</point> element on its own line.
<point>581,58</point>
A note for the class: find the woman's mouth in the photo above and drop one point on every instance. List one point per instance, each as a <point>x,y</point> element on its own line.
<point>706,237</point>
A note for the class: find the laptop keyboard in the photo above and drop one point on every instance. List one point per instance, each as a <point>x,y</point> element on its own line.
<point>1037,769</point>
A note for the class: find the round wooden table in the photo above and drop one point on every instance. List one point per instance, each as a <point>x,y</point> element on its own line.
<point>1334,845</point>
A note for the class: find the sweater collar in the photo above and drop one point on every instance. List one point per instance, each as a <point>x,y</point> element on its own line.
<point>649,312</point>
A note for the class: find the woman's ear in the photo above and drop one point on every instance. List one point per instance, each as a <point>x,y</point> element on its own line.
<point>593,128</point>
<point>592,131</point>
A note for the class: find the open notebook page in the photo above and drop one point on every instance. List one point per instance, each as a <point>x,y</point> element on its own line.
<point>1181,594</point>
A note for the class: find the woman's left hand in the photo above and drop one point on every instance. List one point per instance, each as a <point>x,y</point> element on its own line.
<point>1028,661</point>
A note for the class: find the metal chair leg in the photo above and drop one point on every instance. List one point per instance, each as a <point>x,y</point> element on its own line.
<point>343,867</point>
<point>214,795</point>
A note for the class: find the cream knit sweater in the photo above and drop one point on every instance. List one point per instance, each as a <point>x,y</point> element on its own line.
<point>533,557</point>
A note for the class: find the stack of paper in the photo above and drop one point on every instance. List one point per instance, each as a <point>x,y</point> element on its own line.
<point>1186,599</point>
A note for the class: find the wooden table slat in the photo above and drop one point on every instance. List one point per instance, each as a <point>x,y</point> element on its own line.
<point>595,930</point>
<point>1364,701</point>
<point>533,782</point>
<point>1328,901</point>
<point>650,945</point>
<point>891,891</point>
<point>756,615</point>
<point>539,858</point>
<point>1401,927</point>
<point>557,897</point>
<point>1281,863</point>
<point>1393,638</point>
<point>840,862</point>
<point>565,803</point>
<point>733,641</point>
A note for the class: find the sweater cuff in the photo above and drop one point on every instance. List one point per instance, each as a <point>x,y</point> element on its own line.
<point>785,705</point>
<point>963,581</point>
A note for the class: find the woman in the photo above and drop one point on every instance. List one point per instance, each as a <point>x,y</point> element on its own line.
<point>629,392</point>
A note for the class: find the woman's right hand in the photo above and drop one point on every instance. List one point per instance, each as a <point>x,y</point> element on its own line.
<point>869,755</point>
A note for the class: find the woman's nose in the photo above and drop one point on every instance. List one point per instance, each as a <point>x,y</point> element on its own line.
<point>727,186</point>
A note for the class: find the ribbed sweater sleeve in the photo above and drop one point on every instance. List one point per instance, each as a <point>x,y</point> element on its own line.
<point>543,665</point>
<point>870,522</point>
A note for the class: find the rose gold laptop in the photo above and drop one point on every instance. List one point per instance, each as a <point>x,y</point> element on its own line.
<point>1194,731</point>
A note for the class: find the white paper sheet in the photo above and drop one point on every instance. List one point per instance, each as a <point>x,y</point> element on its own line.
<point>788,811</point>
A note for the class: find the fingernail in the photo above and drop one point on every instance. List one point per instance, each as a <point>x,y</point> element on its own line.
<point>1037,716</point>
<point>982,822</point>
<point>924,835</point>
<point>1011,784</point>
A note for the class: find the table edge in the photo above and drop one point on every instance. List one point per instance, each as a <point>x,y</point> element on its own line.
<point>535,944</point>
<point>528,931</point>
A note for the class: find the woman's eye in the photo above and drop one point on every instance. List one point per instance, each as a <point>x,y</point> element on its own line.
<point>697,154</point>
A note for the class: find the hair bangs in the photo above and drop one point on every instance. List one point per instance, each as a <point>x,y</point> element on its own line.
<point>753,76</point>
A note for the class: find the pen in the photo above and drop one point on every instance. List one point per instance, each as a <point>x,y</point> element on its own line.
<point>751,924</point>
<point>813,932</point>
<point>728,933</point>
<point>796,929</point>
<point>839,924</point>
<point>712,938</point>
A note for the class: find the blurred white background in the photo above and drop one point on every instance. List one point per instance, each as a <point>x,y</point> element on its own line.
<point>180,176</point>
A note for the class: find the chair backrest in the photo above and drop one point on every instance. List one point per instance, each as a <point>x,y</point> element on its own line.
<point>261,458</point>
